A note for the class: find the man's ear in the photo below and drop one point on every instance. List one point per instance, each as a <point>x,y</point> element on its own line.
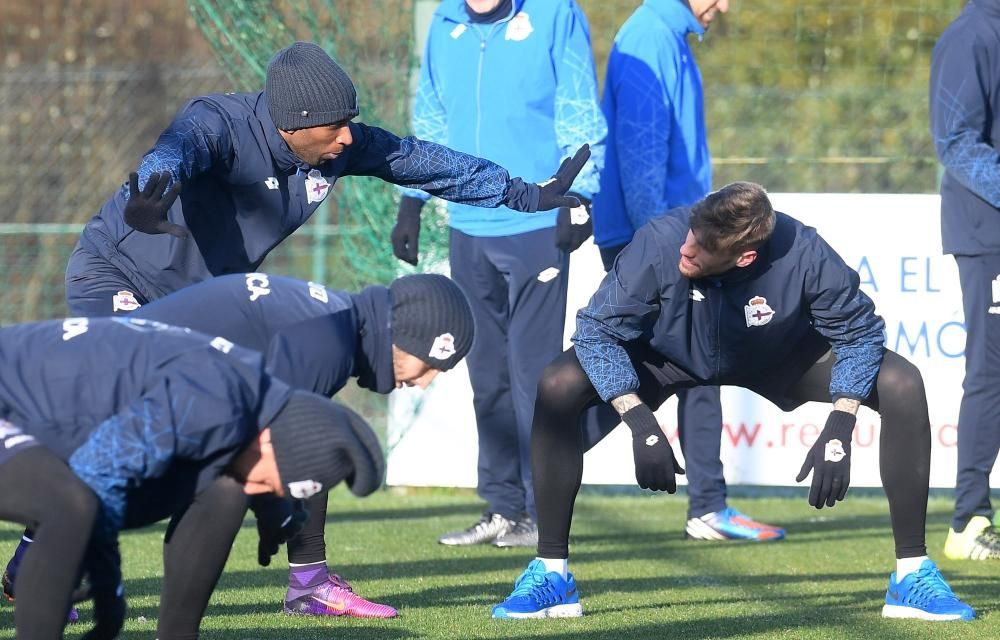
<point>746,258</point>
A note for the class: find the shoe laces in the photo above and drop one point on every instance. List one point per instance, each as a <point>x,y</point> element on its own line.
<point>927,586</point>
<point>337,581</point>
<point>990,539</point>
<point>537,586</point>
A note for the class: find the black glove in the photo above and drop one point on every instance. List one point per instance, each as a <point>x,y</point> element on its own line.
<point>655,464</point>
<point>278,521</point>
<point>830,461</point>
<point>552,193</point>
<point>146,210</point>
<point>574,226</point>
<point>109,614</point>
<point>406,234</point>
<point>102,564</point>
<point>608,255</point>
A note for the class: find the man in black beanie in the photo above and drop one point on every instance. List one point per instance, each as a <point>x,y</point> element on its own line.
<point>115,423</point>
<point>315,339</point>
<point>255,166</point>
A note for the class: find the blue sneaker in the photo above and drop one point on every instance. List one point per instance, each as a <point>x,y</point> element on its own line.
<point>541,594</point>
<point>924,595</point>
<point>730,524</point>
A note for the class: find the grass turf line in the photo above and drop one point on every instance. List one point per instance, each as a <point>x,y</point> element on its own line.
<point>638,577</point>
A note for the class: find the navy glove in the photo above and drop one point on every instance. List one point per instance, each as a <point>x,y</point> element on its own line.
<point>406,234</point>
<point>278,521</point>
<point>574,225</point>
<point>146,210</point>
<point>830,461</point>
<point>553,192</point>
<point>655,464</point>
<point>104,584</point>
<point>109,614</point>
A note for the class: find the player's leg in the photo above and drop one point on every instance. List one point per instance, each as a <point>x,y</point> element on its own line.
<point>569,417</point>
<point>699,420</point>
<point>58,506</point>
<point>557,448</point>
<point>973,534</point>
<point>95,287</point>
<point>312,589</point>
<point>499,475</point>
<point>195,551</point>
<point>538,278</point>
<point>916,588</point>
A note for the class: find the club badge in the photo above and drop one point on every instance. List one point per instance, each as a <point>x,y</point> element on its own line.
<point>443,347</point>
<point>834,451</point>
<point>316,186</point>
<point>518,28</point>
<point>757,312</point>
<point>125,301</point>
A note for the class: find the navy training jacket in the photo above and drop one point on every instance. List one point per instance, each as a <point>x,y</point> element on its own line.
<point>965,125</point>
<point>145,414</point>
<point>312,337</point>
<point>734,328</point>
<point>244,191</point>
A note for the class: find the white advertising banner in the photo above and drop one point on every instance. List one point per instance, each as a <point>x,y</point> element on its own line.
<point>894,243</point>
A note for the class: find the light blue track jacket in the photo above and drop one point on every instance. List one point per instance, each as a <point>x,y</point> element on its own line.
<point>521,91</point>
<point>657,152</point>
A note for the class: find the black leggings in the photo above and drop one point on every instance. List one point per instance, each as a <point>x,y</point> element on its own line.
<point>559,438</point>
<point>44,494</point>
<point>195,551</point>
<point>309,546</point>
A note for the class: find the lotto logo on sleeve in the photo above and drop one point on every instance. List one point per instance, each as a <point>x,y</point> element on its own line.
<point>12,440</point>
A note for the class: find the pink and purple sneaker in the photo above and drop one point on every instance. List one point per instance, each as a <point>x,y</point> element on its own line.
<point>335,597</point>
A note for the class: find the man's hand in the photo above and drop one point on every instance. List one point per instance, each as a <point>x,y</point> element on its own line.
<point>655,465</point>
<point>278,521</point>
<point>830,461</point>
<point>574,226</point>
<point>406,234</point>
<point>552,192</point>
<point>146,210</point>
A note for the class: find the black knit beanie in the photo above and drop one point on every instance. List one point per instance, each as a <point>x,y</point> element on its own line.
<point>431,319</point>
<point>306,88</point>
<point>317,443</point>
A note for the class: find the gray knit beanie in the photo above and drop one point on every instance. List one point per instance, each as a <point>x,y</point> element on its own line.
<point>306,88</point>
<point>317,443</point>
<point>431,319</point>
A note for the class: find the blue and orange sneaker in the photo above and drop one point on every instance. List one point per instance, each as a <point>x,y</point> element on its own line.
<point>7,583</point>
<point>924,595</point>
<point>541,594</point>
<point>730,524</point>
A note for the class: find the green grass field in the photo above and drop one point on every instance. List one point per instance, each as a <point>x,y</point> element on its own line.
<point>638,577</point>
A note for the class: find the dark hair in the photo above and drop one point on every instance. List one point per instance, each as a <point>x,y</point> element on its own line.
<point>736,218</point>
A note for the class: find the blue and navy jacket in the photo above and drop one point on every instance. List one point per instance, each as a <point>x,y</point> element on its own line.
<point>521,92</point>
<point>145,414</point>
<point>735,328</point>
<point>965,125</point>
<point>657,155</point>
<point>244,191</point>
<point>312,337</point>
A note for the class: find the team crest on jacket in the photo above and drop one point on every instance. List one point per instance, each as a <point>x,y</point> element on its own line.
<point>443,347</point>
<point>518,28</point>
<point>125,301</point>
<point>757,312</point>
<point>316,186</point>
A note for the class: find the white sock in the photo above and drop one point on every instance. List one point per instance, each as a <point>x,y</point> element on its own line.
<point>558,565</point>
<point>906,566</point>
